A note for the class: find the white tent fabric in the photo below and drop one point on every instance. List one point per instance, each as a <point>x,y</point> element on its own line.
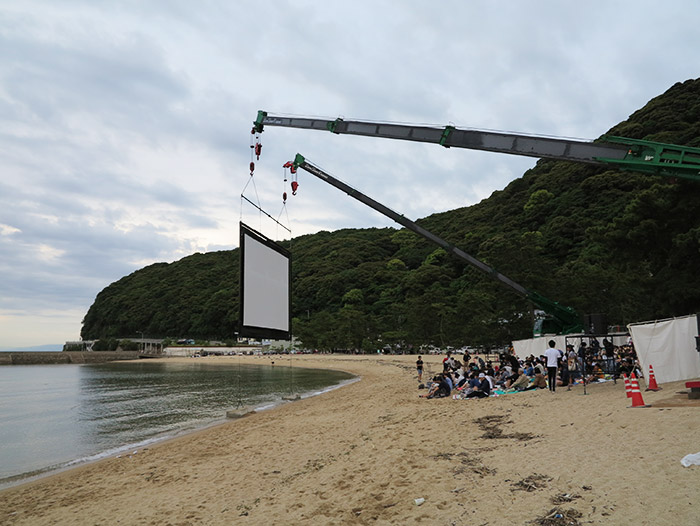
<point>669,346</point>
<point>537,346</point>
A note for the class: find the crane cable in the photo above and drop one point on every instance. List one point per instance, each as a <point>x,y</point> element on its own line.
<point>255,151</point>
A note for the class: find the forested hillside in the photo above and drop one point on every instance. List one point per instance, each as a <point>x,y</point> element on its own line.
<point>596,239</point>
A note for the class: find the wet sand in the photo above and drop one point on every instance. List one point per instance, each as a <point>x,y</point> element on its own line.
<point>362,454</point>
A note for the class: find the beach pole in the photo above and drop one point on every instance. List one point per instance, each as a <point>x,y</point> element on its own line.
<point>238,384</point>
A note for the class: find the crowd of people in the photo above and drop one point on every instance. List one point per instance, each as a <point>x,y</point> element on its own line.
<point>477,378</point>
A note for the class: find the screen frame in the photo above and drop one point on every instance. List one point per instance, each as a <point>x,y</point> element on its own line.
<point>258,331</point>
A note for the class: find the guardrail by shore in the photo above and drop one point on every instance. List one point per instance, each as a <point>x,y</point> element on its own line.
<point>47,358</point>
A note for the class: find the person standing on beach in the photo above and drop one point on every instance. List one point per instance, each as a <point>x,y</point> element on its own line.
<point>419,368</point>
<point>609,350</point>
<point>552,354</point>
<point>447,362</point>
<point>511,359</point>
<point>582,355</point>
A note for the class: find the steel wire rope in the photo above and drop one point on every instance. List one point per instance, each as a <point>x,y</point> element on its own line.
<point>257,198</point>
<point>291,336</point>
<point>288,229</point>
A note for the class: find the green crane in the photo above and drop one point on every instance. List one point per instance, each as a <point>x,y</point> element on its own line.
<point>561,319</point>
<point>624,154</point>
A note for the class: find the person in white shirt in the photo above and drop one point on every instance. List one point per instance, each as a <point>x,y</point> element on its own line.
<point>553,355</point>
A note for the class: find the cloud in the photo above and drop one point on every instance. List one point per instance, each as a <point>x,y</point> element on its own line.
<point>125,127</point>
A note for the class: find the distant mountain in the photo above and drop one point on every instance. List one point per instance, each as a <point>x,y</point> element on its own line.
<point>594,238</point>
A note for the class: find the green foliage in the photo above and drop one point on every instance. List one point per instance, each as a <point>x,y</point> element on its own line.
<point>536,206</point>
<point>437,257</point>
<point>128,345</point>
<point>196,297</point>
<point>106,344</point>
<point>596,239</point>
<point>354,297</point>
<point>396,264</point>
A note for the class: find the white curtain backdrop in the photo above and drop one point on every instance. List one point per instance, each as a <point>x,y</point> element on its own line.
<point>669,346</point>
<point>537,346</point>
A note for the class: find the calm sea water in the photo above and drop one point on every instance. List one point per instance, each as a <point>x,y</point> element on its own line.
<point>56,416</point>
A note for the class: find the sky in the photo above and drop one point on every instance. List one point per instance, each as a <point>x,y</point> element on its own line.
<point>125,125</point>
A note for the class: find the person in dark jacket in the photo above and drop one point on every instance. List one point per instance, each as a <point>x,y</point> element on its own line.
<point>483,390</point>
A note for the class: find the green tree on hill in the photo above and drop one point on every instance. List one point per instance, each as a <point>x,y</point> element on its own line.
<point>597,239</point>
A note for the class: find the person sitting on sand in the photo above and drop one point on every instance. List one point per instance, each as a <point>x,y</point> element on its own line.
<point>563,378</point>
<point>596,375</point>
<point>513,362</point>
<point>449,380</point>
<point>432,387</point>
<point>483,390</point>
<point>491,380</point>
<point>459,378</point>
<point>439,388</point>
<point>538,382</point>
<point>539,367</point>
<point>513,377</point>
<point>521,383</point>
<point>625,367</point>
<point>471,366</point>
<point>504,373</point>
<point>470,383</point>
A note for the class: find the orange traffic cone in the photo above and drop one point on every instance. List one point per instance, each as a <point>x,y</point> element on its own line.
<point>628,391</point>
<point>651,384</point>
<point>637,400</point>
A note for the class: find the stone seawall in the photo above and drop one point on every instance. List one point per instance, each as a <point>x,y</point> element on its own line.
<point>35,358</point>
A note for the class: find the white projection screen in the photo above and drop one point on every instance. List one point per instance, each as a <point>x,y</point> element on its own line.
<point>265,288</point>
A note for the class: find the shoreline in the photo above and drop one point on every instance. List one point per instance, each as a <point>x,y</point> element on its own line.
<point>8,358</point>
<point>115,452</point>
<point>363,454</point>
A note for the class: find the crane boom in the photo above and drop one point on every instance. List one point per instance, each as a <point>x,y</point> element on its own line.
<point>623,153</point>
<point>567,318</point>
<point>619,152</point>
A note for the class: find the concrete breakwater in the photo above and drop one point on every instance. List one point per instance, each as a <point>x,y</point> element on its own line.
<point>45,358</point>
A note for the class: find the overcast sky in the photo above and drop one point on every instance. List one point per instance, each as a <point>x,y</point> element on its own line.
<point>125,125</point>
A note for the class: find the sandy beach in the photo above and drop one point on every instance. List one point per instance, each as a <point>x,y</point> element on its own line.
<point>364,453</point>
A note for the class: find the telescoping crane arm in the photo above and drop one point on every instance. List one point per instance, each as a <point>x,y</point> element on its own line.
<point>625,154</point>
<point>567,319</point>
